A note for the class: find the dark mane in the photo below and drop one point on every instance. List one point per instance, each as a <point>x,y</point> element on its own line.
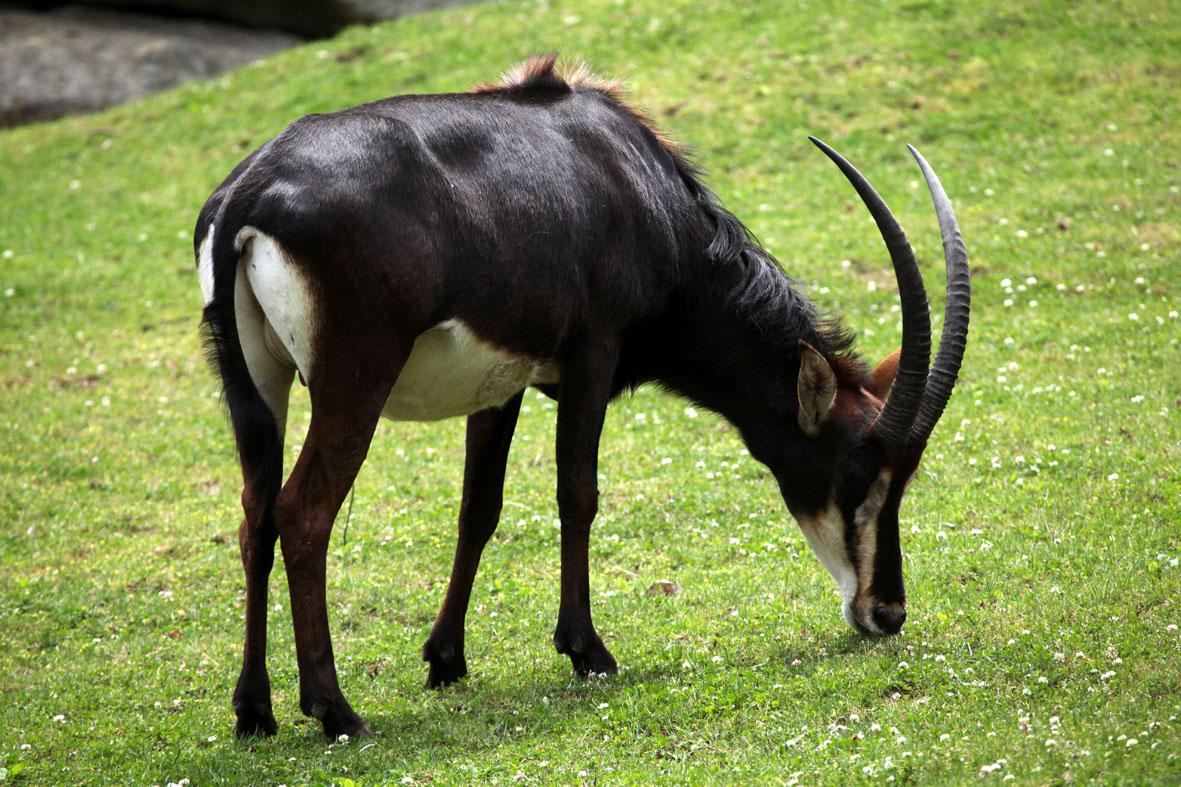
<point>764,292</point>
<point>543,73</point>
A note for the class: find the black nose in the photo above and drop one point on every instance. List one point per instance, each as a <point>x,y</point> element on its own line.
<point>889,620</point>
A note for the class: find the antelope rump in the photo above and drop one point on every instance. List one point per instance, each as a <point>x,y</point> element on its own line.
<point>430,256</point>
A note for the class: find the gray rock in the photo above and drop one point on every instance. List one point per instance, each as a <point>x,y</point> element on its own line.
<point>307,17</point>
<point>75,59</point>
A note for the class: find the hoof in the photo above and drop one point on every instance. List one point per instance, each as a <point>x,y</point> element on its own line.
<point>339,719</point>
<point>255,720</point>
<point>588,655</point>
<point>594,661</point>
<point>447,664</point>
<point>252,705</point>
<point>445,673</point>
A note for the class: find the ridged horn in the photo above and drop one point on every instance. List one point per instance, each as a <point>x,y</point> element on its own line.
<point>894,424</point>
<point>954,338</point>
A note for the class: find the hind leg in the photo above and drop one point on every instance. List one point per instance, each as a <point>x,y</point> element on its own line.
<point>259,421</point>
<point>252,695</point>
<point>343,422</point>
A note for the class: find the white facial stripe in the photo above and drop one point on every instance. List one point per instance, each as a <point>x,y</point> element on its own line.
<point>282,293</point>
<point>826,536</point>
<point>866,518</point>
<point>452,372</point>
<point>205,266</point>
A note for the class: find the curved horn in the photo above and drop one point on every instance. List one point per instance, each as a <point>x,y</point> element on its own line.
<point>954,338</point>
<point>894,423</point>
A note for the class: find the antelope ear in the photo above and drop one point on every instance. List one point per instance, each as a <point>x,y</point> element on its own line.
<point>883,376</point>
<point>816,389</point>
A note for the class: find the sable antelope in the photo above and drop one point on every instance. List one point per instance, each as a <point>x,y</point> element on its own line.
<point>431,256</point>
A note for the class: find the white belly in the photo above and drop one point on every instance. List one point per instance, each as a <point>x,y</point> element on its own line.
<point>451,372</point>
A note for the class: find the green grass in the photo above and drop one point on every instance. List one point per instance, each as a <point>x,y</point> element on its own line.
<point>1042,537</point>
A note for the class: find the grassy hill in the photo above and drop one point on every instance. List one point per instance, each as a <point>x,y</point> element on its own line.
<point>1042,537</point>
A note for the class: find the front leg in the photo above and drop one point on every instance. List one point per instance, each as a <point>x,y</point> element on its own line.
<point>586,385</point>
<point>489,435</point>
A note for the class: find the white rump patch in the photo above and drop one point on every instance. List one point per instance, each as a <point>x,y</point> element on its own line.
<point>452,372</point>
<point>284,296</point>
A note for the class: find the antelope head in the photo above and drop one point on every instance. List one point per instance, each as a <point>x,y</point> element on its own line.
<point>863,444</point>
